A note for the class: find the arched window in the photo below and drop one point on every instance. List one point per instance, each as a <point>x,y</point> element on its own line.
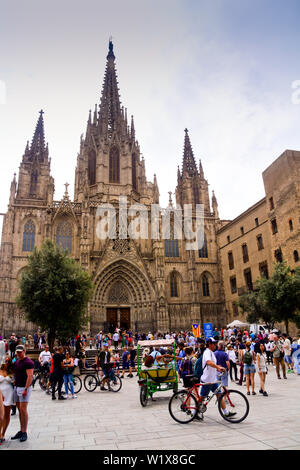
<point>205,286</point>
<point>114,165</point>
<point>28,236</point>
<point>291,225</point>
<point>64,236</point>
<point>174,285</point>
<point>203,252</point>
<point>133,171</point>
<point>92,167</point>
<point>33,182</point>
<point>296,256</point>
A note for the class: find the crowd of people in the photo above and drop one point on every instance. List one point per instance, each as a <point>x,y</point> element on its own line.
<point>235,353</point>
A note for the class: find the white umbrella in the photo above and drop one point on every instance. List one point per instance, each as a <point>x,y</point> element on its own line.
<point>237,324</point>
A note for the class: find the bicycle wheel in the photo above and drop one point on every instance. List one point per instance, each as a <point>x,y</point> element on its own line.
<point>90,382</point>
<point>182,410</point>
<point>43,380</point>
<point>236,403</point>
<point>77,384</point>
<point>143,395</point>
<point>115,384</point>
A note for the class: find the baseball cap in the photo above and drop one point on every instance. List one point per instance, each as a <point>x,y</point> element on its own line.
<point>211,341</point>
<point>20,348</point>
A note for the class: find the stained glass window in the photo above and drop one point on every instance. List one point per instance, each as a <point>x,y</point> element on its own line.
<point>64,236</point>
<point>28,236</point>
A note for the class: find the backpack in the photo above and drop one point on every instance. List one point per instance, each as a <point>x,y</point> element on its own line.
<point>248,358</point>
<point>198,367</point>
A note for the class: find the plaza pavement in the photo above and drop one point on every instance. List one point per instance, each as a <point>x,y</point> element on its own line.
<point>116,421</point>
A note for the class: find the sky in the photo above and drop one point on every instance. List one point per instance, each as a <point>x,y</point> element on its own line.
<point>224,69</point>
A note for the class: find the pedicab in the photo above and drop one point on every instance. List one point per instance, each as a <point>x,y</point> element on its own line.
<point>156,378</point>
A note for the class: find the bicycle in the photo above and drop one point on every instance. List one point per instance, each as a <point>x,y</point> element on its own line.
<point>113,383</point>
<point>185,405</point>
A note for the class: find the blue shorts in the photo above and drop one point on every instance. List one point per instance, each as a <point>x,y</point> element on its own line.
<point>132,363</point>
<point>288,359</point>
<point>205,389</point>
<point>125,365</point>
<point>249,369</point>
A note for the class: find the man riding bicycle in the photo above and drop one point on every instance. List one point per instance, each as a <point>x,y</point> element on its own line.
<point>210,369</point>
<point>106,366</point>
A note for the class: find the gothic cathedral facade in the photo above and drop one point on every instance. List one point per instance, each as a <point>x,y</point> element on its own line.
<point>142,284</point>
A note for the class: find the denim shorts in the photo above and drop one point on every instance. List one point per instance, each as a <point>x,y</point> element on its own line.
<point>18,397</point>
<point>205,389</point>
<point>288,359</point>
<point>249,369</point>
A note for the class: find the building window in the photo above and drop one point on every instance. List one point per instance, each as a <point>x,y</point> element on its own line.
<point>263,269</point>
<point>28,236</point>
<point>245,253</point>
<point>173,285</point>
<point>256,222</point>
<point>230,260</point>
<point>33,182</point>
<point>133,171</point>
<point>114,165</point>
<point>196,195</point>
<point>260,244</point>
<point>92,167</point>
<point>248,279</point>
<point>228,238</point>
<point>291,225</point>
<point>296,256</point>
<point>171,249</point>
<point>278,255</point>
<point>203,252</point>
<point>64,236</point>
<point>274,226</point>
<point>242,230</point>
<point>235,309</point>
<point>271,202</point>
<point>205,286</point>
<point>233,285</point>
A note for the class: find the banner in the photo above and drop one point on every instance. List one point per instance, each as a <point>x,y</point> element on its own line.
<point>196,330</point>
<point>208,330</point>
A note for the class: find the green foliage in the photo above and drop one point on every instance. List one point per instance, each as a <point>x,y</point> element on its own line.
<point>54,292</point>
<point>276,299</point>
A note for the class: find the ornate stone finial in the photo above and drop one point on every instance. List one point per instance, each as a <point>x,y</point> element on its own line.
<point>110,54</point>
<point>66,190</point>
<point>170,198</point>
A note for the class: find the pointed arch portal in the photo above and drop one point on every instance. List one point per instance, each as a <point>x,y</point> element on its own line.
<point>123,297</point>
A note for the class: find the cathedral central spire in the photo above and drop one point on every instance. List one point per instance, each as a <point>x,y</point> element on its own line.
<point>188,165</point>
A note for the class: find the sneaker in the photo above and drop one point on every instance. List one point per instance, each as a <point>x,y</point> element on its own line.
<point>102,388</point>
<point>61,398</point>
<point>285,377</point>
<point>199,417</point>
<point>17,436</point>
<point>74,396</point>
<point>53,398</point>
<point>248,393</point>
<point>253,393</point>
<point>261,391</point>
<point>230,414</point>
<point>13,413</point>
<point>279,377</point>
<point>23,437</point>
<point>265,394</point>
<point>48,392</point>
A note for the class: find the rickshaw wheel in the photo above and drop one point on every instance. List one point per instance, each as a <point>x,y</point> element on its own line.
<point>143,395</point>
<point>175,388</point>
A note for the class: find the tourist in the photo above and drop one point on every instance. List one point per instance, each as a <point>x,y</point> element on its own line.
<point>262,367</point>
<point>68,368</point>
<point>269,347</point>
<point>7,391</point>
<point>104,362</point>
<point>125,361</point>
<point>232,362</point>
<point>23,370</point>
<point>288,353</point>
<point>278,356</point>
<point>187,364</point>
<point>2,351</point>
<point>132,356</point>
<point>44,359</point>
<point>241,347</point>
<point>249,367</point>
<point>116,338</point>
<point>58,372</point>
<point>223,361</point>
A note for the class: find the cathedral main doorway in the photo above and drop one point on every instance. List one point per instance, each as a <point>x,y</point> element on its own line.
<point>118,317</point>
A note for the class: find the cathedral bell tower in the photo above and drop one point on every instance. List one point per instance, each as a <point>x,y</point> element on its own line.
<point>192,187</point>
<point>35,181</point>
<point>109,163</point>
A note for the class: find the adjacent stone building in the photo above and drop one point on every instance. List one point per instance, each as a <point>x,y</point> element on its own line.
<point>150,283</point>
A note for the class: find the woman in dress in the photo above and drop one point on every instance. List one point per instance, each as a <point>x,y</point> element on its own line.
<point>7,391</point>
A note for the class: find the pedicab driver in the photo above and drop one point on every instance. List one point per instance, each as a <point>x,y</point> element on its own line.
<point>210,369</point>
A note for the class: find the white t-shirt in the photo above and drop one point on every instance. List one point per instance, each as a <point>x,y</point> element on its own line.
<point>45,356</point>
<point>209,373</point>
<point>116,337</point>
<point>287,347</point>
<point>232,356</point>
